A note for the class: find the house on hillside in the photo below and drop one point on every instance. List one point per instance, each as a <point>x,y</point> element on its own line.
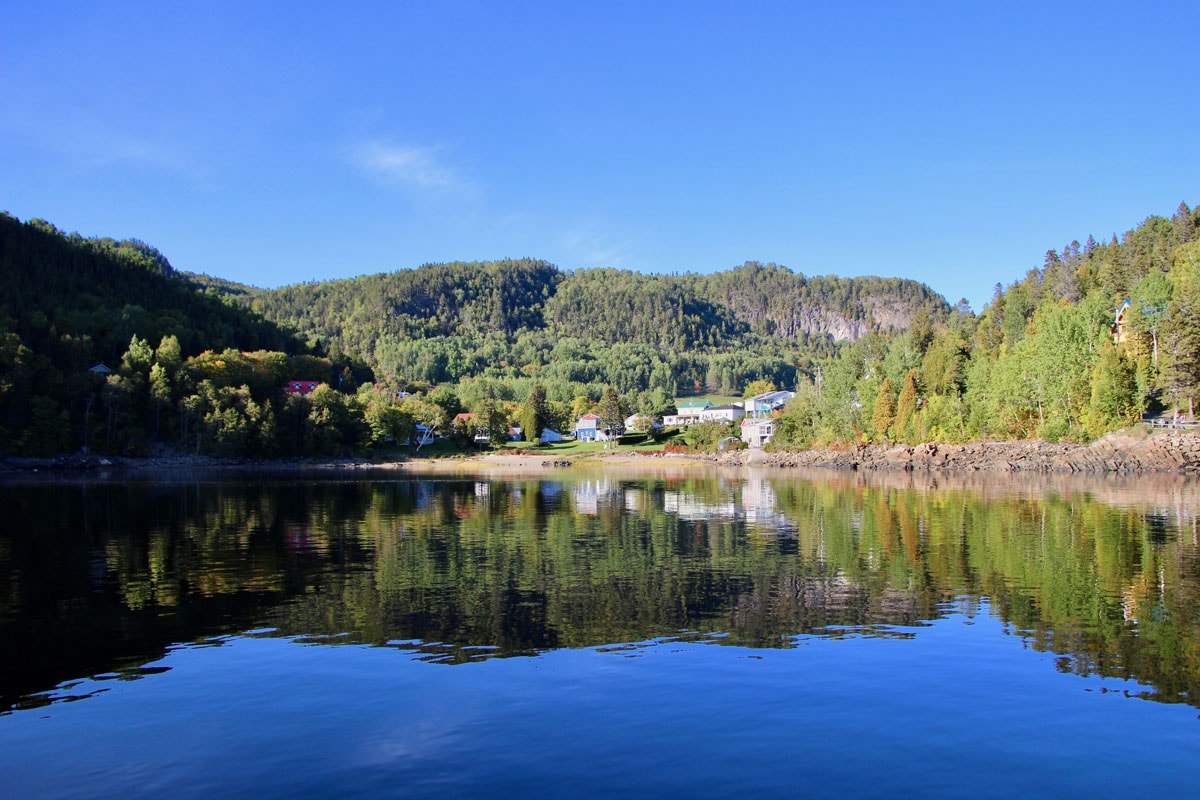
<point>301,387</point>
<point>767,403</point>
<point>551,436</point>
<point>687,413</point>
<point>1118,326</point>
<point>636,422</point>
<point>727,413</point>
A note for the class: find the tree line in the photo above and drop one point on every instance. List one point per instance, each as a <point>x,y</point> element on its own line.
<point>1046,358</point>
<point>195,364</point>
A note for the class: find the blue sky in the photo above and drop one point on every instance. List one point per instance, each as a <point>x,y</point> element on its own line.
<point>278,142</point>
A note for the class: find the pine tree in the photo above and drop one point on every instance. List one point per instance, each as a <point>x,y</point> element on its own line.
<point>491,419</point>
<point>612,419</point>
<point>906,407</point>
<point>883,415</point>
<point>535,415</point>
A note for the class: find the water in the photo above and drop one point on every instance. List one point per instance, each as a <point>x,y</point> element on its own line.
<point>673,634</point>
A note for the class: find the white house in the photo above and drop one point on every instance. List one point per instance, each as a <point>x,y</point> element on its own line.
<point>768,402</point>
<point>634,421</point>
<point>728,413</point>
<point>549,436</point>
<point>757,431</point>
<point>688,413</point>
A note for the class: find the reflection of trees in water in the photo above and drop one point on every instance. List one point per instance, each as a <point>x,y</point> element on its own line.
<point>523,566</point>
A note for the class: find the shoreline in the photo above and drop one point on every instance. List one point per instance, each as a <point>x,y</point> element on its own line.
<point>1130,452</point>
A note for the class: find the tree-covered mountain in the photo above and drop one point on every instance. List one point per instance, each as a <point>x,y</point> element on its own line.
<point>610,306</point>
<point>202,362</point>
<point>1088,342</point>
<point>68,303</point>
<point>436,300</point>
<point>60,291</point>
<point>619,306</point>
<point>775,301</point>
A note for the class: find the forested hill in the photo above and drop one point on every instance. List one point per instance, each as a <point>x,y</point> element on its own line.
<point>607,306</point>
<point>775,301</point>
<point>437,300</point>
<point>203,362</point>
<point>69,295</point>
<point>1098,335</point>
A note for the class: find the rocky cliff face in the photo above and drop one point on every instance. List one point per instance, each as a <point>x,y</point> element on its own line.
<point>879,313</point>
<point>815,320</point>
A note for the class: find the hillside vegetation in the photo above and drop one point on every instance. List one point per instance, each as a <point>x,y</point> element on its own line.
<point>201,362</point>
<point>584,329</point>
<point>1044,358</point>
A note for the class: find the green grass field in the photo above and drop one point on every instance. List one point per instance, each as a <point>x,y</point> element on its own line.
<point>715,399</point>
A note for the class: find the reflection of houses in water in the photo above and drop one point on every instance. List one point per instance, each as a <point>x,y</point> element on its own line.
<point>589,493</point>
<point>761,508</point>
<point>635,500</point>
<point>690,508</point>
<point>422,494</point>
<point>757,506</point>
<point>826,604</point>
<point>299,539</point>
<point>550,494</point>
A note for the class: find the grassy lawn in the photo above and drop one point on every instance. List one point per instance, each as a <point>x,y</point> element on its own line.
<point>443,448</point>
<point>715,399</point>
<point>630,442</point>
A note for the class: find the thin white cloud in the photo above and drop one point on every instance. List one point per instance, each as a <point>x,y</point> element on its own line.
<point>405,165</point>
<point>590,243</point>
<point>90,141</point>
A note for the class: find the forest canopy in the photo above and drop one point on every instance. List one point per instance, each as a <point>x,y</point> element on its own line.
<point>200,363</point>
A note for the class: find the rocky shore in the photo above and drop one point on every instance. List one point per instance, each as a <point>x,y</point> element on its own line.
<point>1123,453</point>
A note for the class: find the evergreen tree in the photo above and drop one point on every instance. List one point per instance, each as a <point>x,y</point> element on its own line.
<point>535,415</point>
<point>489,417</point>
<point>1181,362</point>
<point>612,417</point>
<point>906,407</point>
<point>883,415</point>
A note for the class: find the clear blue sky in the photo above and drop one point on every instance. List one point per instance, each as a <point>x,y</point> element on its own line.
<point>277,142</point>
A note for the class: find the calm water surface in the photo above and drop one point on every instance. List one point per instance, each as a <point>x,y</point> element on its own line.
<point>669,634</point>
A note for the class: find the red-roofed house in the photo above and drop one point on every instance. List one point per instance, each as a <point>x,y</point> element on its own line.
<point>301,387</point>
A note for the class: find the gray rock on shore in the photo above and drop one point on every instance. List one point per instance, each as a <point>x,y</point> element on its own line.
<point>1124,453</point>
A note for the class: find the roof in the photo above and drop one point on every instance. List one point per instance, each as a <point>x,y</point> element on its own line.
<point>777,394</point>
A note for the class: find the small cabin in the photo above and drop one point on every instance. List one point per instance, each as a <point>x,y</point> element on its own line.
<point>1118,326</point>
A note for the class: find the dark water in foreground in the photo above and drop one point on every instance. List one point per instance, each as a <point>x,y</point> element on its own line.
<point>598,635</point>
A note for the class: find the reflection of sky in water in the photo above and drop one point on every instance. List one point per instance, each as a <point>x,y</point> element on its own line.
<point>945,709</point>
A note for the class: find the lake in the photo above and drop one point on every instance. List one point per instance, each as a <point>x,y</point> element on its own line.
<point>668,633</point>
